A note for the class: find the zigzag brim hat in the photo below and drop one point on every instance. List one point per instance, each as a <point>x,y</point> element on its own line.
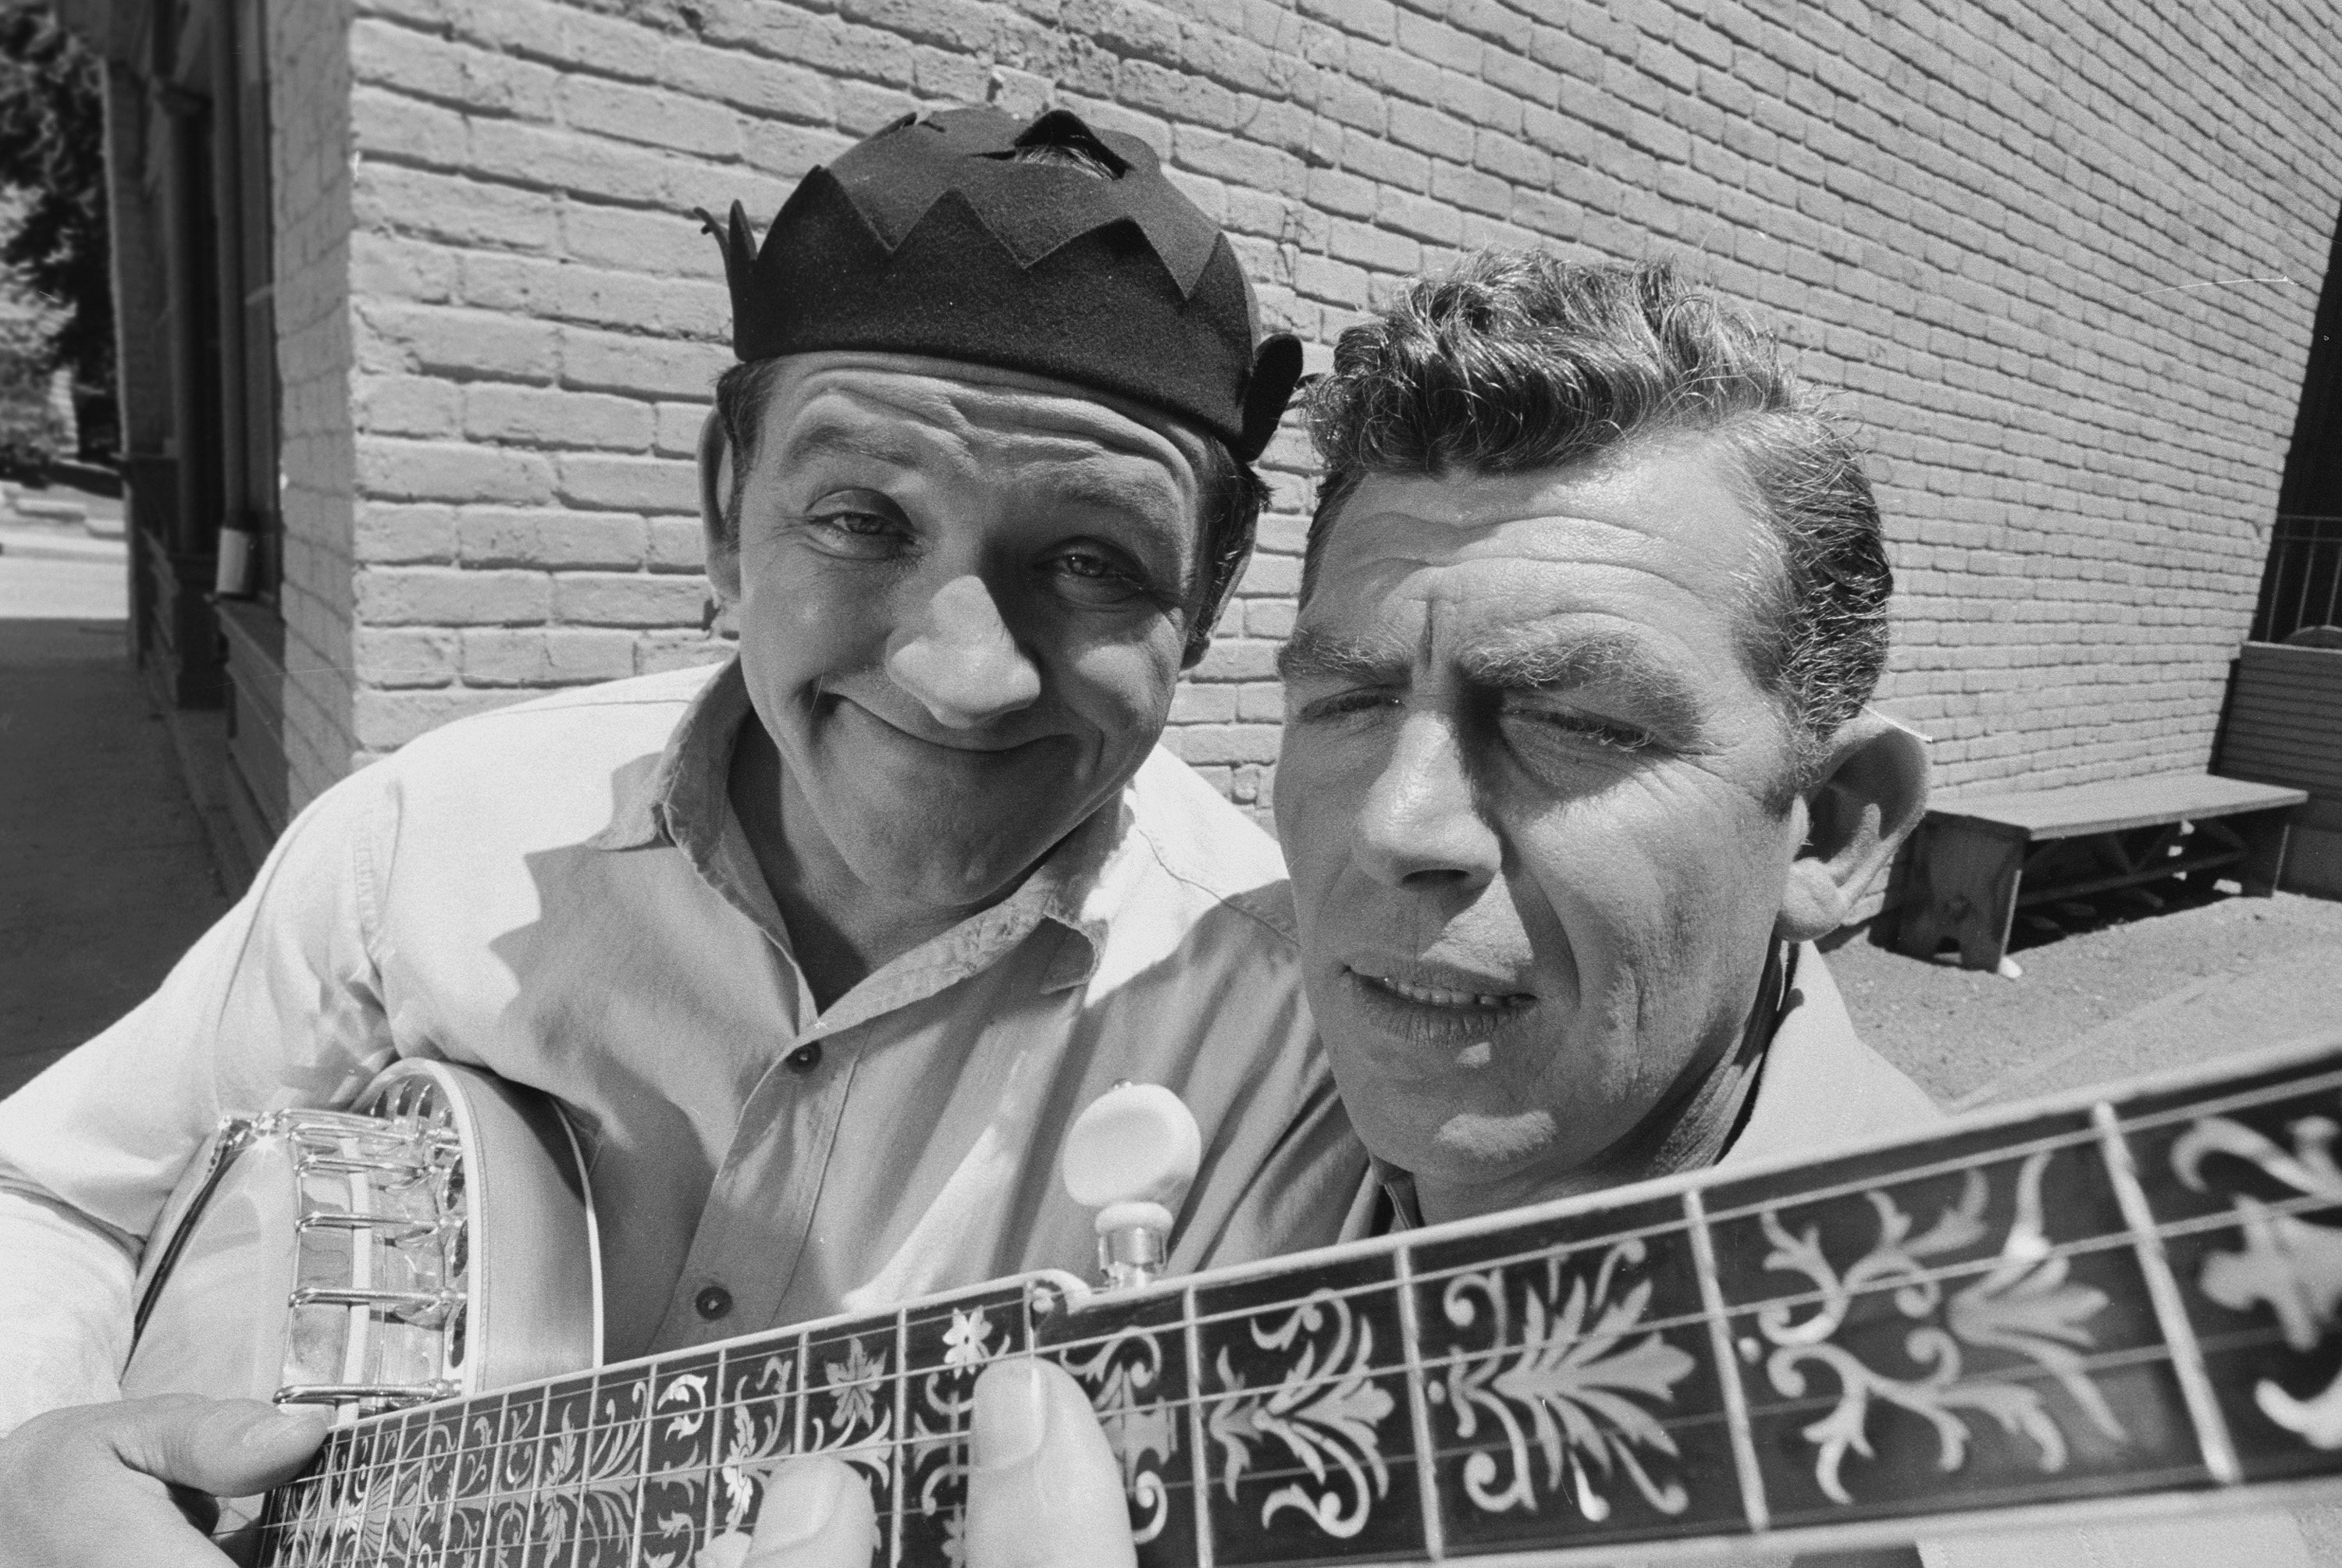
<point>943,235</point>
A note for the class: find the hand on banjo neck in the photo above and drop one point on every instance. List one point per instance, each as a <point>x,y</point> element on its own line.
<point>1044,1489</point>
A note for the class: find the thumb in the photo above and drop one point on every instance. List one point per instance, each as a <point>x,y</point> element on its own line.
<point>816,1513</point>
<point>1044,1491</point>
<point>219,1447</point>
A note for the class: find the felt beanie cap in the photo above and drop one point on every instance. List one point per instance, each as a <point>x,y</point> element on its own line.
<point>933,237</point>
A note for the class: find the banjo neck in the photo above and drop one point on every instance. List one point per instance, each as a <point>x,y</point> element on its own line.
<point>2082,1303</point>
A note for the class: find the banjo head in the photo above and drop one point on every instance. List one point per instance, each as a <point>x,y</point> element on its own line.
<point>317,1255</point>
<point>437,1240</point>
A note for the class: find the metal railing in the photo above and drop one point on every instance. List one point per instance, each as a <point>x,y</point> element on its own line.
<point>2302,584</point>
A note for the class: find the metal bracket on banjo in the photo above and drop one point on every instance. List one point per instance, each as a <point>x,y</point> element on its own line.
<point>401,1233</point>
<point>360,1224</point>
<point>427,1307</point>
<point>380,1395</point>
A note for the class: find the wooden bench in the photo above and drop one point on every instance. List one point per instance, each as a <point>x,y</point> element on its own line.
<point>1979,858</point>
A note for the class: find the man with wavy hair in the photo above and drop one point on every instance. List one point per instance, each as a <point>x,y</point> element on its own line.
<point>1578,759</point>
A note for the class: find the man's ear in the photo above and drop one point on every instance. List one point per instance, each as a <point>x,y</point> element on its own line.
<point>1872,791</point>
<point>715,484</point>
<point>1208,616</point>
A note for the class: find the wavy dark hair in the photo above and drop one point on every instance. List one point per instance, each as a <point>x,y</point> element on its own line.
<point>1515,360</point>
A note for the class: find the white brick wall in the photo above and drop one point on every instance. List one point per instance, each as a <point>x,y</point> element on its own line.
<point>317,278</point>
<point>1986,226</point>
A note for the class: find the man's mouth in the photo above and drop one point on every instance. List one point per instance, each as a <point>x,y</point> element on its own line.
<point>1456,992</point>
<point>967,743</point>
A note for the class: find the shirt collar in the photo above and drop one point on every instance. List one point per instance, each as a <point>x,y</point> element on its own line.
<point>682,800</point>
<point>1395,1207</point>
<point>1073,887</point>
<point>679,799</point>
<point>1062,890</point>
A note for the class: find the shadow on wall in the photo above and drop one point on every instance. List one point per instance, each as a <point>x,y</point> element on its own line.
<point>2283,725</point>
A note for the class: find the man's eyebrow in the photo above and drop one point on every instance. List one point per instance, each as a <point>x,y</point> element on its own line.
<point>1616,661</point>
<point>831,439</point>
<point>1081,484</point>
<point>1309,654</point>
<point>1125,491</point>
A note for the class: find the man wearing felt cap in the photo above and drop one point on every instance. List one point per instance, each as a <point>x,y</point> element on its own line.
<point>819,950</point>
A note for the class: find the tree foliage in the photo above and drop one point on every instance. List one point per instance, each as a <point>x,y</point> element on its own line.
<point>53,150</point>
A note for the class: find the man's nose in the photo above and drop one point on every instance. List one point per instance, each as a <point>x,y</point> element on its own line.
<point>959,660</point>
<point>1421,826</point>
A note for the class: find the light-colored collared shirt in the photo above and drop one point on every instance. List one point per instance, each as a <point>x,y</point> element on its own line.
<point>1820,1085</point>
<point>560,893</point>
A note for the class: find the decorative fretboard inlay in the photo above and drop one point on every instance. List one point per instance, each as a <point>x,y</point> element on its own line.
<point>2084,1303</point>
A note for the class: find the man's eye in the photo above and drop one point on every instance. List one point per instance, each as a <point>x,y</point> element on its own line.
<point>856,535</point>
<point>1607,734</point>
<point>853,521</point>
<point>1347,703</point>
<point>1093,577</point>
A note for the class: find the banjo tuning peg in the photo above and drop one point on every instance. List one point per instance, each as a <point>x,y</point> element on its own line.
<point>1131,1156</point>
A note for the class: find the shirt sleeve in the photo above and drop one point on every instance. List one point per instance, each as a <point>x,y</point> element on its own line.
<point>64,1294</point>
<point>278,1004</point>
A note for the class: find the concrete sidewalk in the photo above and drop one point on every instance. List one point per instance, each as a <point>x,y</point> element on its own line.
<point>46,544</point>
<point>105,874</point>
<point>2127,989</point>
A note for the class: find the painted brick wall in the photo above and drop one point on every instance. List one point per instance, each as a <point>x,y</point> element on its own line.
<point>309,168</point>
<point>2001,232</point>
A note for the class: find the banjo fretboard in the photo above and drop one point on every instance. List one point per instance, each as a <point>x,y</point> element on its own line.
<point>2131,1295</point>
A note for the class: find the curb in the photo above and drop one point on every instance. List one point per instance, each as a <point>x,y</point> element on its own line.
<point>40,544</point>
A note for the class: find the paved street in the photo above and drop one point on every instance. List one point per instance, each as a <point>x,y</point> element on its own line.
<point>104,877</point>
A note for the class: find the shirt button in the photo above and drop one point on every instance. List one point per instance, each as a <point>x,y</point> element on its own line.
<point>805,1058</point>
<point>712,1302</point>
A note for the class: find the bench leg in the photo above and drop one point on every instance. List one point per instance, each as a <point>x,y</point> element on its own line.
<point>1967,892</point>
<point>1919,922</point>
<point>2265,833</point>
